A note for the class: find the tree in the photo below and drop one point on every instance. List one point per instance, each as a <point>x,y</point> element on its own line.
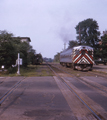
<point>101,50</point>
<point>31,55</point>
<point>104,46</point>
<point>88,33</point>
<point>9,48</point>
<point>57,57</point>
<point>26,53</point>
<point>72,43</point>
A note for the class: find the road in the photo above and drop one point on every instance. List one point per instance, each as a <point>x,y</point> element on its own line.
<point>37,98</point>
<point>47,98</point>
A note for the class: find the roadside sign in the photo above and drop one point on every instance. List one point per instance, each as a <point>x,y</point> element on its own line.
<point>19,61</point>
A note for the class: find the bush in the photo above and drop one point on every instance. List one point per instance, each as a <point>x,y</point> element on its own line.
<point>12,69</point>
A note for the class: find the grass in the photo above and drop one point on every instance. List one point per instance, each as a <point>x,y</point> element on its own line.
<point>31,71</point>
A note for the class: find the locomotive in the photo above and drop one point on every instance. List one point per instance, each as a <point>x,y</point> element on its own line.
<point>37,59</point>
<point>81,56</point>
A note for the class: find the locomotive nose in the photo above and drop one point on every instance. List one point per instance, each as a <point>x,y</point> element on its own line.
<point>84,60</point>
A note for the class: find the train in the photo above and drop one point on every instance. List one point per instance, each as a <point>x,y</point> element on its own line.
<point>38,59</point>
<point>79,56</point>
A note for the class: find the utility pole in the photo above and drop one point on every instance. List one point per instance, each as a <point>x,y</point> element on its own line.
<point>64,46</point>
<point>79,35</point>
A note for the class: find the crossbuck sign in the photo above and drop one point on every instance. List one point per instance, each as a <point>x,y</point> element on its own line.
<point>18,62</point>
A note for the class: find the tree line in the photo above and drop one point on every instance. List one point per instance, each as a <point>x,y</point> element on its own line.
<point>10,46</point>
<point>88,34</point>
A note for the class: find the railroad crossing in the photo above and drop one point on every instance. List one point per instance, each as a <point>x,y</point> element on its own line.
<point>49,98</point>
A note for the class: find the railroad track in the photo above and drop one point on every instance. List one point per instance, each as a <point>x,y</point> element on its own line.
<point>88,81</point>
<point>8,93</point>
<point>97,113</point>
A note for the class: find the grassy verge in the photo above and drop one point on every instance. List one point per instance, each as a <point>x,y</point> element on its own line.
<point>30,71</point>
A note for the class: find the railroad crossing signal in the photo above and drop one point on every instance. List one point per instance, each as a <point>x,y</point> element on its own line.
<point>18,62</point>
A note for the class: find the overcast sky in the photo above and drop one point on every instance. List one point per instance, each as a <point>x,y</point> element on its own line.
<point>50,23</point>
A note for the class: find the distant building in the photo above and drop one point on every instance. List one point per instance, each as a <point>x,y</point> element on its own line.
<point>24,39</point>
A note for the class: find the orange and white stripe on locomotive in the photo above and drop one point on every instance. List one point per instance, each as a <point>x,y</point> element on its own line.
<point>83,56</point>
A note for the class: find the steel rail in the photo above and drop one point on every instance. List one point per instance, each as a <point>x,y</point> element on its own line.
<point>98,74</point>
<point>6,94</point>
<point>76,94</point>
<point>92,85</point>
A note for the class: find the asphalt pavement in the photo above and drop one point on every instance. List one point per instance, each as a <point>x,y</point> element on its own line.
<point>37,98</point>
